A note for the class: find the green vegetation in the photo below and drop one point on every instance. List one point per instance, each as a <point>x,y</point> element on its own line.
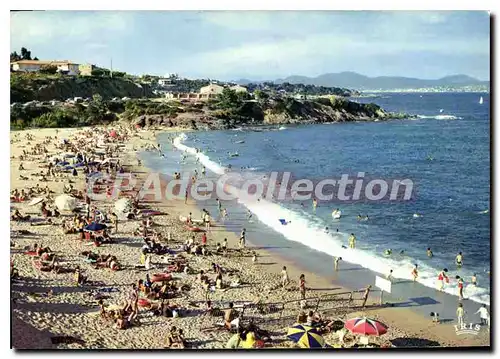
<point>25,55</point>
<point>46,86</point>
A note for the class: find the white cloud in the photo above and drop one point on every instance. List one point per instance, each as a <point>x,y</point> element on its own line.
<point>38,27</point>
<point>266,57</point>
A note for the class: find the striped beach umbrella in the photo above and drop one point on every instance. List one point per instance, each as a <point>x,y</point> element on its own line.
<point>365,326</point>
<point>305,336</point>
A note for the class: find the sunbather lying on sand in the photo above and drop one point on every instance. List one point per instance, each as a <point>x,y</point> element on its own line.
<point>17,216</point>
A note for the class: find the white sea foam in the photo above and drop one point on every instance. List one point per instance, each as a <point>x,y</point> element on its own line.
<point>440,117</point>
<point>309,232</point>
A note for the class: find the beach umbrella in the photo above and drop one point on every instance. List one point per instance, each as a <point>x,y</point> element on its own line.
<point>305,336</point>
<point>365,326</point>
<point>65,202</point>
<point>35,201</point>
<point>123,205</point>
<point>95,227</point>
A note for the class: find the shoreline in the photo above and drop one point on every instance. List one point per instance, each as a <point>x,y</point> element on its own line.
<point>322,281</point>
<point>69,311</point>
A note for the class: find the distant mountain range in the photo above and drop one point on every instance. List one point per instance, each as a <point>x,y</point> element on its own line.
<point>357,81</point>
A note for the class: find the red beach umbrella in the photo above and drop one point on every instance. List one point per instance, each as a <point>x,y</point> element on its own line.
<point>365,326</point>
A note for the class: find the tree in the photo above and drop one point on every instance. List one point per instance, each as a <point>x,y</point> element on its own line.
<point>228,98</point>
<point>48,69</point>
<point>98,72</point>
<point>14,56</point>
<point>25,54</point>
<point>96,110</point>
<point>260,95</point>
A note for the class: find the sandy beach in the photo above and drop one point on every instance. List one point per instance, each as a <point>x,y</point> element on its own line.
<point>49,311</point>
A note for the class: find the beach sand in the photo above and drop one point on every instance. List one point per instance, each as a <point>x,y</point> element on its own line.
<point>68,310</point>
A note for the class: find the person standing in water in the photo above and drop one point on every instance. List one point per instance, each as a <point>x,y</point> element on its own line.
<point>414,273</point>
<point>441,278</point>
<point>352,241</point>
<point>429,253</point>
<point>337,260</point>
<point>389,276</point>
<point>458,259</point>
<point>203,171</point>
<point>315,203</point>
<point>474,279</point>
<point>460,288</point>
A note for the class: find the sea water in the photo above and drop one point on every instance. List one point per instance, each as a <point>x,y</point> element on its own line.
<point>445,153</point>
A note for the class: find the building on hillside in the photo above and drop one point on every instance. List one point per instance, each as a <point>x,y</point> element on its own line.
<point>211,89</point>
<point>86,69</point>
<point>65,66</point>
<point>238,88</point>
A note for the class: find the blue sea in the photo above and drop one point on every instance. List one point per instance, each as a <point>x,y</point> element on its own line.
<point>445,151</point>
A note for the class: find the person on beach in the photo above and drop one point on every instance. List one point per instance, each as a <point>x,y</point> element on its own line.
<point>114,221</point>
<point>352,241</point>
<point>474,280</point>
<point>249,214</point>
<point>460,314</point>
<point>203,239</point>
<point>224,246</point>
<point>186,194</point>
<point>458,259</point>
<point>203,171</point>
<point>429,253</point>
<point>243,238</point>
<point>365,295</point>
<point>285,280</point>
<point>206,219</point>
<point>302,286</point>
<point>254,258</point>
<point>460,285</point>
<point>224,214</point>
<point>484,316</point>
<point>336,263</point>
<point>219,205</point>
<point>442,277</point>
<point>389,276</point>
<point>414,272</point>
<point>230,317</point>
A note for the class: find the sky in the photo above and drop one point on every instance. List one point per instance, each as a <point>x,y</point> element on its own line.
<point>262,45</point>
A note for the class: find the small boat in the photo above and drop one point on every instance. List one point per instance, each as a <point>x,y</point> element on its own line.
<point>240,142</point>
<point>481,100</point>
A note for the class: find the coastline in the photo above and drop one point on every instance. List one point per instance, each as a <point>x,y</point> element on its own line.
<point>75,320</point>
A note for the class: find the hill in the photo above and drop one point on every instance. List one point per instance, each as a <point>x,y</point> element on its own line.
<point>362,82</point>
<point>25,87</point>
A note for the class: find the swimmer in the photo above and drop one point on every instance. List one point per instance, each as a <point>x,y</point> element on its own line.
<point>327,230</point>
<point>474,280</point>
<point>429,253</point>
<point>315,203</point>
<point>402,252</point>
<point>458,259</point>
<point>388,252</point>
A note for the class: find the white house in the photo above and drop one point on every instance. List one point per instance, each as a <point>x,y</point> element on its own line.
<point>35,65</point>
<point>238,88</point>
<point>211,89</point>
